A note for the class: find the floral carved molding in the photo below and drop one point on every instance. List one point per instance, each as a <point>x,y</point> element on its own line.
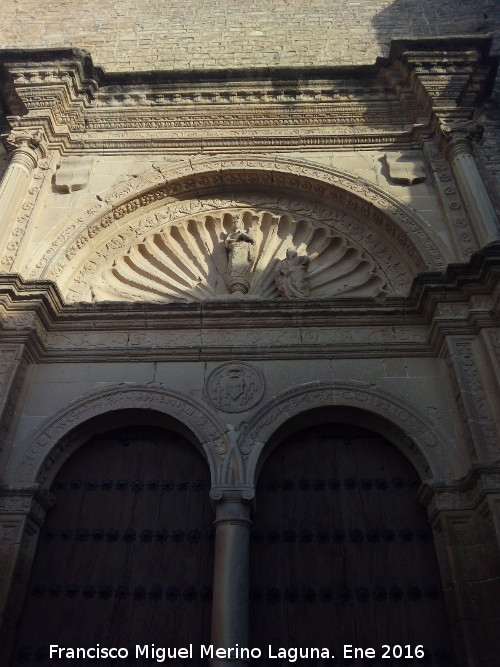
<point>53,441</point>
<point>420,440</point>
<point>232,453</point>
<point>117,212</point>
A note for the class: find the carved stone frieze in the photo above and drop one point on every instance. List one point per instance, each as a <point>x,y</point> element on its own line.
<point>234,387</point>
<point>474,399</point>
<point>318,340</point>
<point>367,335</point>
<point>452,310</point>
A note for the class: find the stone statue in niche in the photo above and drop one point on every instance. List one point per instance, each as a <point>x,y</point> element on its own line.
<point>290,275</point>
<point>239,244</point>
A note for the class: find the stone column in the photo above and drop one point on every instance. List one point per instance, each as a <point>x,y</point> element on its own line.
<point>458,139</point>
<point>16,179</point>
<point>230,611</point>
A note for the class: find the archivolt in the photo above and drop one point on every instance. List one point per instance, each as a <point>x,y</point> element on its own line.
<point>60,435</point>
<point>401,423</point>
<point>73,240</point>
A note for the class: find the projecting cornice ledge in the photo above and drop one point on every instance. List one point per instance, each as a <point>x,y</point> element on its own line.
<point>460,301</point>
<point>481,43</point>
<point>61,94</point>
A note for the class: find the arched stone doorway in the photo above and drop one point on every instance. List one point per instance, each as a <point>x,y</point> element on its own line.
<point>125,555</point>
<point>342,552</point>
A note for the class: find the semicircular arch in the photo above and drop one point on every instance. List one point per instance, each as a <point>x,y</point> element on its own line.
<point>64,432</point>
<point>167,185</point>
<point>345,401</point>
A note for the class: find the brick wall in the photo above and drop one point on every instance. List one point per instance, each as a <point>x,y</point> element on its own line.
<point>180,34</point>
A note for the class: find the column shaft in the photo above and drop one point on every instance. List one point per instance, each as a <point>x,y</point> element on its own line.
<point>475,197</point>
<point>14,187</point>
<point>231,580</point>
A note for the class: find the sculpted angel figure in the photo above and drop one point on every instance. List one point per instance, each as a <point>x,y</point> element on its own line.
<point>239,244</point>
<point>290,275</point>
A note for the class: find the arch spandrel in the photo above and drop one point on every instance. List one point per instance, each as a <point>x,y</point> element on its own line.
<point>123,214</point>
<point>62,433</point>
<point>401,423</point>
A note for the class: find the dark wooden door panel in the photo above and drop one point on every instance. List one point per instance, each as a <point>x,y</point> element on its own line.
<point>125,555</point>
<point>342,553</point>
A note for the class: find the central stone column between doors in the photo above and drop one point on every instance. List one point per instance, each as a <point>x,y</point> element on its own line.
<point>230,610</point>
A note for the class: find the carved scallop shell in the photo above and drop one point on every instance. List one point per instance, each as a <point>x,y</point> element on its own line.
<point>188,261</point>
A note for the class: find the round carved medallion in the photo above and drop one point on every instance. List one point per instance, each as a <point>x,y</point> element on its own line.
<point>234,387</point>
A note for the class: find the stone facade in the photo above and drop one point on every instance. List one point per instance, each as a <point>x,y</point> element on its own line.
<point>245,232</point>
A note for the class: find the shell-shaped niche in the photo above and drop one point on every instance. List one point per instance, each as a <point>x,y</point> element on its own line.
<point>189,261</point>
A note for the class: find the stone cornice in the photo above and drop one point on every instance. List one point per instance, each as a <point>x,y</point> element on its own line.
<point>60,92</point>
<point>458,302</point>
<point>461,495</point>
<point>441,80</point>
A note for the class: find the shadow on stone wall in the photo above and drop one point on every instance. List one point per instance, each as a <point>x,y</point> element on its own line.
<point>428,18</point>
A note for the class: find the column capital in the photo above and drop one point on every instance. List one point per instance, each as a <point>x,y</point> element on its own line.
<point>232,504</point>
<point>25,499</point>
<point>26,147</point>
<point>458,136</point>
<point>245,494</point>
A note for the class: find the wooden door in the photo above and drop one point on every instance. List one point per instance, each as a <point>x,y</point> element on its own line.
<point>125,555</point>
<point>342,553</point>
